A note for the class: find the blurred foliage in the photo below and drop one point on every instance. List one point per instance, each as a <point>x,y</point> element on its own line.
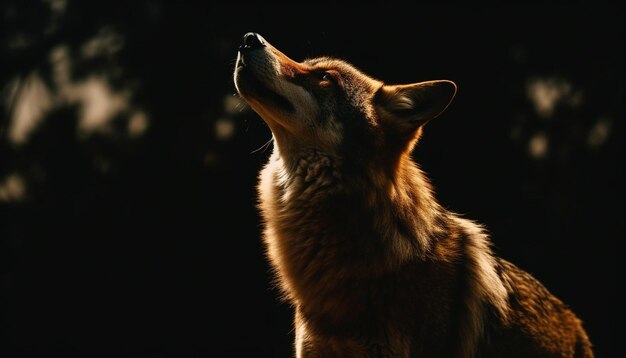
<point>128,166</point>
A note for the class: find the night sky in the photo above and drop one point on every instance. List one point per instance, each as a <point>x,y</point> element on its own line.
<point>128,224</point>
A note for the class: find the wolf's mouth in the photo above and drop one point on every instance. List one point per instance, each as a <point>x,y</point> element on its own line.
<point>251,86</point>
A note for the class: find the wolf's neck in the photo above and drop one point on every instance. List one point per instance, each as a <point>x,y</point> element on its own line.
<point>394,215</point>
<point>407,210</point>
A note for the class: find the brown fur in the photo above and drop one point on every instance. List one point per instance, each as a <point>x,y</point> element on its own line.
<point>373,265</point>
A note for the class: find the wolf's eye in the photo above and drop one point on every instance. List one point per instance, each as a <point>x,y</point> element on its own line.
<point>326,79</point>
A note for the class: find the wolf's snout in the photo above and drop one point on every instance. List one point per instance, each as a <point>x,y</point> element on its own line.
<point>251,40</point>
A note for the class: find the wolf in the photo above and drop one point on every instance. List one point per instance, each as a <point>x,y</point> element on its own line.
<point>372,264</point>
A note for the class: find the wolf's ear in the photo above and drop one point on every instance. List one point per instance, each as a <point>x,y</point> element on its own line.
<point>415,104</point>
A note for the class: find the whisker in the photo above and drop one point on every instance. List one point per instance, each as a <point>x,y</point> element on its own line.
<point>264,146</point>
<point>242,104</point>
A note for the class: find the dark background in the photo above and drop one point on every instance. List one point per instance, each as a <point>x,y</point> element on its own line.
<point>128,168</point>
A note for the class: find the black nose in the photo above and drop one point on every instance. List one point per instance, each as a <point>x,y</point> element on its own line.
<point>251,40</point>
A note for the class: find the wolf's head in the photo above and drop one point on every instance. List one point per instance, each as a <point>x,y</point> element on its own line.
<point>327,105</point>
